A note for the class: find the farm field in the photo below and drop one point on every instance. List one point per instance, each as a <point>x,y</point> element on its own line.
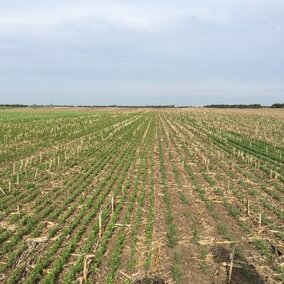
<point>122,195</point>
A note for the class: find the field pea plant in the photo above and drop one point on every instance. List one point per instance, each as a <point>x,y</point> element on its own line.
<point>141,195</point>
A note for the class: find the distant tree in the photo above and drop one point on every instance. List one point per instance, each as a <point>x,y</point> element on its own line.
<point>234,106</point>
<point>13,105</point>
<point>277,105</point>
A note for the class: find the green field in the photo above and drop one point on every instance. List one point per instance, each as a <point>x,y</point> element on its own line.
<point>122,195</point>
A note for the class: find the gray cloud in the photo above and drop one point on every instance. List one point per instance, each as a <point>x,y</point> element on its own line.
<point>156,51</point>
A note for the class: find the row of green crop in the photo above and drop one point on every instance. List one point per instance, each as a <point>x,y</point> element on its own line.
<point>78,187</point>
<point>222,229</point>
<point>53,214</point>
<point>247,187</point>
<point>131,189</point>
<point>177,273</point>
<point>64,149</point>
<point>151,205</point>
<point>266,127</point>
<point>269,160</point>
<point>43,203</point>
<point>242,193</point>
<point>137,201</point>
<point>68,129</point>
<point>43,175</point>
<point>172,230</point>
<point>145,155</point>
<point>232,210</point>
<point>226,149</point>
<point>78,225</point>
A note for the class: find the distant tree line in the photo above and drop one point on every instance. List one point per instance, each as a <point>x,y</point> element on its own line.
<point>122,106</point>
<point>13,105</point>
<point>234,106</point>
<point>277,105</point>
<point>87,106</point>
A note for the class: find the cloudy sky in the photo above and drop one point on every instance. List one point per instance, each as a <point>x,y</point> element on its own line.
<point>141,52</point>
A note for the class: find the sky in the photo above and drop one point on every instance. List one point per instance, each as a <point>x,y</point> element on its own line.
<point>141,52</point>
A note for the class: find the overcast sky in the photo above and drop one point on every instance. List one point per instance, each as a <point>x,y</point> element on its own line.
<point>141,52</point>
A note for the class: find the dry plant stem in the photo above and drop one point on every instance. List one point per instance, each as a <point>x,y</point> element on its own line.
<point>2,191</point>
<point>231,265</point>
